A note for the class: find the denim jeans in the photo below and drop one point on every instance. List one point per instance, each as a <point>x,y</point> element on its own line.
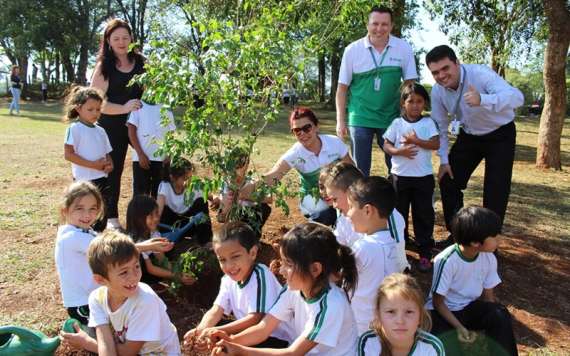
<point>15,104</point>
<point>361,139</point>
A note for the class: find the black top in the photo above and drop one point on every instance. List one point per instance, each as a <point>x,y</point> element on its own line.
<point>118,92</point>
<point>15,79</point>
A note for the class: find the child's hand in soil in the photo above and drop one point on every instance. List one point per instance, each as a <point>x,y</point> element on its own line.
<point>466,336</point>
<point>78,340</point>
<point>195,341</point>
<point>224,347</point>
<point>187,279</point>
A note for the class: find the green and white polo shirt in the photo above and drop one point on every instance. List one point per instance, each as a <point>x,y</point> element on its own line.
<point>461,280</point>
<point>326,320</point>
<point>368,107</point>
<point>255,295</point>
<point>426,344</point>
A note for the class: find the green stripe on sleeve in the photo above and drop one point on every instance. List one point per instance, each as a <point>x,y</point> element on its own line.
<point>392,227</point>
<point>319,319</point>
<point>261,289</point>
<point>362,341</point>
<point>283,290</point>
<point>433,341</point>
<point>439,271</point>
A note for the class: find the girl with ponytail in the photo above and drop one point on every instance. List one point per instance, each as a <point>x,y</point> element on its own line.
<point>313,263</point>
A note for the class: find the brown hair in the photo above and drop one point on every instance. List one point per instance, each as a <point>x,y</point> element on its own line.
<point>342,175</point>
<point>14,69</point>
<point>78,96</point>
<point>303,112</point>
<point>78,190</point>
<point>110,248</point>
<point>106,56</point>
<point>407,287</point>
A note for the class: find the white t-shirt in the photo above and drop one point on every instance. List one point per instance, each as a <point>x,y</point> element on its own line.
<point>90,143</point>
<point>426,345</point>
<point>357,59</point>
<point>344,231</point>
<point>309,165</point>
<point>75,276</point>
<point>177,202</point>
<point>326,320</point>
<point>420,165</point>
<point>150,129</point>
<point>140,318</point>
<point>376,257</point>
<point>256,295</point>
<point>461,280</point>
<point>396,225</point>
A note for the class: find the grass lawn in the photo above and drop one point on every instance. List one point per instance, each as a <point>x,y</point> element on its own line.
<point>534,258</point>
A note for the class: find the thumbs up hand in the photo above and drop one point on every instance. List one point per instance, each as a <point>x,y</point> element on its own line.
<point>472,96</point>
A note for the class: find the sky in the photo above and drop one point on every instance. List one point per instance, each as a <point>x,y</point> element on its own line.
<point>427,37</point>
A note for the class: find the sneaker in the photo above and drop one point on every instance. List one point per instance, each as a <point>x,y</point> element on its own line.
<point>113,224</point>
<point>424,265</point>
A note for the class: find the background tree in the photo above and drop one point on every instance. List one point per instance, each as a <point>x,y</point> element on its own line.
<point>488,29</point>
<point>555,58</point>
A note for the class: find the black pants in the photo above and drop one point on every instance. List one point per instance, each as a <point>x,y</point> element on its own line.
<point>417,192</point>
<point>202,232</point>
<point>80,314</point>
<point>325,217</point>
<point>103,185</point>
<point>492,318</point>
<point>118,134</point>
<point>146,181</point>
<point>498,150</point>
<point>256,216</point>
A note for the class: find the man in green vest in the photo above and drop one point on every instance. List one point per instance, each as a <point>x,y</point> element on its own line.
<point>370,76</point>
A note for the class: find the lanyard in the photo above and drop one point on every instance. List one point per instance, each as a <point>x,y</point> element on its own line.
<point>381,59</point>
<point>456,108</point>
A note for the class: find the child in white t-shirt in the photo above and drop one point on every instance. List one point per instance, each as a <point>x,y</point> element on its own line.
<point>370,203</point>
<point>128,316</point>
<point>322,321</point>
<point>233,207</point>
<point>183,213</point>
<point>401,323</point>
<point>247,290</point>
<point>82,204</point>
<point>142,225</point>
<point>410,140</point>
<point>147,130</point>
<point>86,144</point>
<point>461,297</point>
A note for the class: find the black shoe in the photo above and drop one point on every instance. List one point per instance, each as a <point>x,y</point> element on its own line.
<point>442,244</point>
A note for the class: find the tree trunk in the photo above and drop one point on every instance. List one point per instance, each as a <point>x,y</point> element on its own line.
<point>81,77</point>
<point>57,71</point>
<point>68,67</point>
<point>336,57</point>
<point>552,118</point>
<point>322,78</point>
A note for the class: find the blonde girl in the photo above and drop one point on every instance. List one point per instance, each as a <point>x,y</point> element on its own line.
<point>401,323</point>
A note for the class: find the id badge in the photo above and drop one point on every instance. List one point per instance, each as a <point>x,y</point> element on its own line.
<point>455,125</point>
<point>377,83</point>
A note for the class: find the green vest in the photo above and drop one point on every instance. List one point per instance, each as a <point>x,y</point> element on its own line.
<point>370,108</point>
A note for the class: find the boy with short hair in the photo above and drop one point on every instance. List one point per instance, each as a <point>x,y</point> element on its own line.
<point>370,204</point>
<point>128,315</point>
<point>461,296</point>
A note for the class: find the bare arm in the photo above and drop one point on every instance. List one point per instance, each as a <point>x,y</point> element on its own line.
<point>443,310</point>
<point>341,92</point>
<point>276,173</point>
<point>489,295</point>
<point>431,144</point>
<point>408,151</point>
<point>301,346</point>
<point>99,82</point>
<point>161,202</point>
<point>143,159</point>
<point>106,342</point>
<point>129,348</point>
<point>258,332</point>
<point>71,156</point>
<point>239,325</point>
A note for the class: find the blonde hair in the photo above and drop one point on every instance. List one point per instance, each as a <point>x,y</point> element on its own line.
<point>78,190</point>
<point>78,96</point>
<point>110,248</point>
<point>406,287</point>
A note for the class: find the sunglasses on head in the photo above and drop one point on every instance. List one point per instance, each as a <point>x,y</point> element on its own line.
<point>306,129</point>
